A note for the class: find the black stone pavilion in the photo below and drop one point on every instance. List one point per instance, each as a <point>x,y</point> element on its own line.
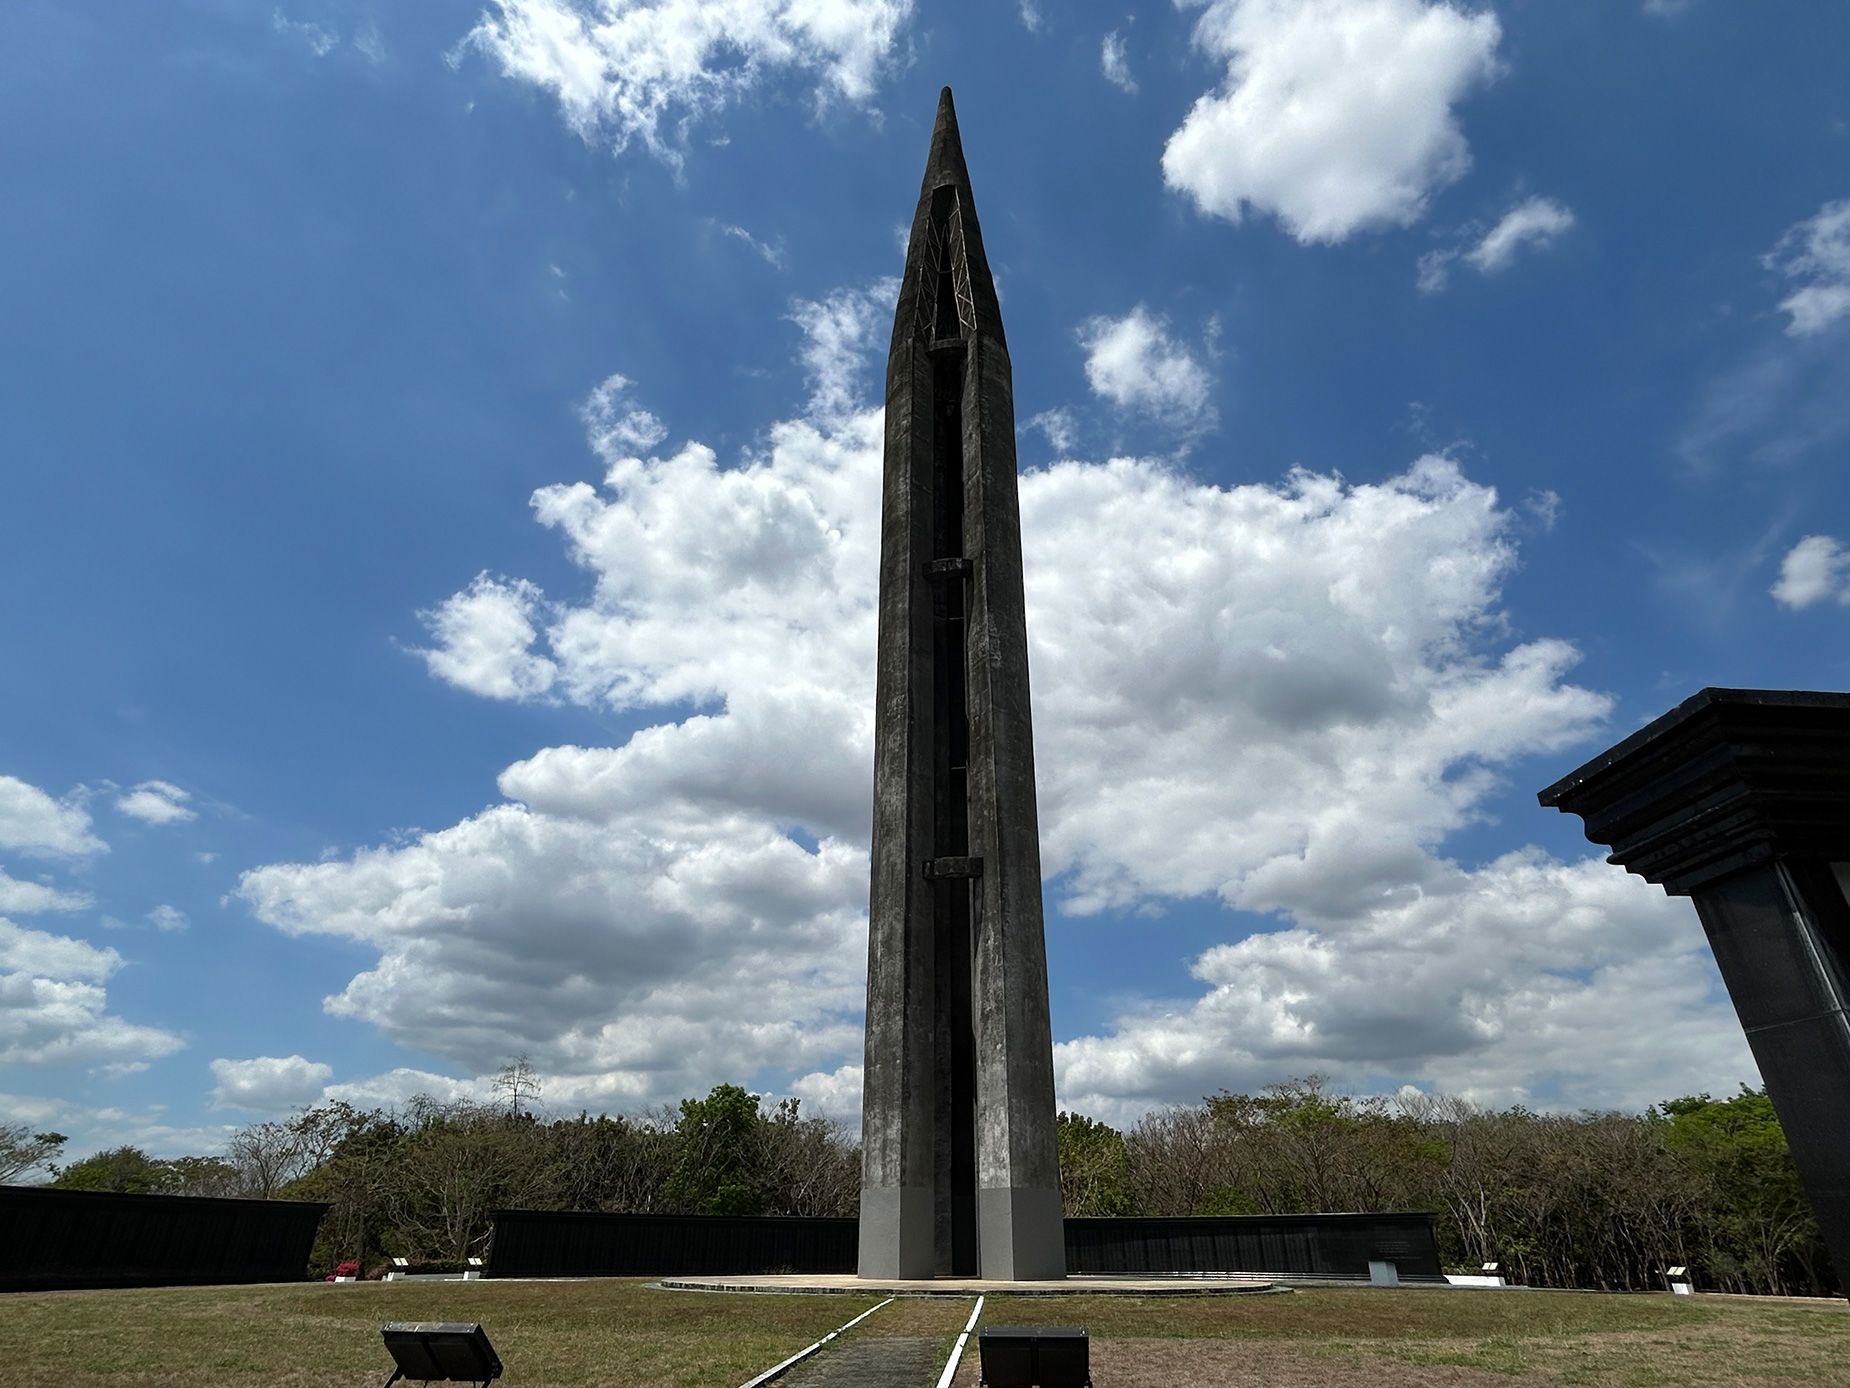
<point>1740,800</point>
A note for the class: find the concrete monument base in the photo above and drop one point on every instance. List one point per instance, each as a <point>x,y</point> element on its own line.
<point>897,1231</point>
<point>1021,1234</point>
<point>847,1284</point>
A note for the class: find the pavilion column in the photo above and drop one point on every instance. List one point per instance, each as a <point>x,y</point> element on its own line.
<point>1740,800</point>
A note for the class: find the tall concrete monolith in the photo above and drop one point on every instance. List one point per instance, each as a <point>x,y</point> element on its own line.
<point>960,1171</point>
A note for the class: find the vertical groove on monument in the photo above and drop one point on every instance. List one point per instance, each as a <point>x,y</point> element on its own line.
<point>960,1168</point>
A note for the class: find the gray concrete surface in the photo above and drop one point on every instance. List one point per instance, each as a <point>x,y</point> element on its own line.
<point>958,1101</point>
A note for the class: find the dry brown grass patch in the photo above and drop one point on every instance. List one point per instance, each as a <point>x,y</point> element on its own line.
<point>1342,1338</point>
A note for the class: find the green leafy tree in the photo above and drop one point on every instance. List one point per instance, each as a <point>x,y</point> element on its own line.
<point>1760,1230</point>
<point>716,1167</point>
<point>123,1170</point>
<point>131,1171</point>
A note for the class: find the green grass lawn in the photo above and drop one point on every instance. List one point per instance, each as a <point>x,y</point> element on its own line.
<point>611,1333</point>
<point>616,1333</point>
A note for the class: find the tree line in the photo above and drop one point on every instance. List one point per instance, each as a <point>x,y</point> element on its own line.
<point>1604,1200</point>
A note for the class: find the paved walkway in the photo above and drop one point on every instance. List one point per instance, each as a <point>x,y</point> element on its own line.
<point>892,1362</point>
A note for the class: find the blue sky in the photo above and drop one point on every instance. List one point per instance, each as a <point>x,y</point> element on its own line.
<point>438,464</point>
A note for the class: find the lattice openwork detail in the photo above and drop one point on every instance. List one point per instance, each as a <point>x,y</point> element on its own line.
<point>960,273</point>
<point>925,299</point>
<point>944,254</point>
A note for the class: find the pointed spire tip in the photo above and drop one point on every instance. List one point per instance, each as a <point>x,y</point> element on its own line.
<point>946,161</point>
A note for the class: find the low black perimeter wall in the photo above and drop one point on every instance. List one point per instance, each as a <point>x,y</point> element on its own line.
<point>1308,1245</point>
<point>535,1243</point>
<point>54,1240</point>
<point>550,1243</point>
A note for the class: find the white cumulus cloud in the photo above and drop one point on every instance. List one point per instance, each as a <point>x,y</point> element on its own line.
<point>1136,363</point>
<point>31,898</point>
<point>647,70</point>
<point>53,1002</point>
<point>1816,569</point>
<point>1468,981</point>
<point>1057,426</point>
<point>1335,116</point>
<point>1319,639</point>
<point>1816,254</point>
<point>53,1005</point>
<point>616,426</point>
<point>156,802</point>
<point>484,635</point>
<point>639,919</point>
<point>660,946</point>
<point>835,1094</point>
<point>54,956</point>
<point>267,1083</point>
<point>1285,697</point>
<point>32,822</point>
<point>167,918</point>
